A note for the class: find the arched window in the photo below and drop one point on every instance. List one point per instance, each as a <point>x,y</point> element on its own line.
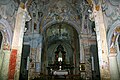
<point>1,37</point>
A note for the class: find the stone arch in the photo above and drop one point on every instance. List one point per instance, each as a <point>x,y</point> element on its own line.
<point>77,30</point>
<point>112,34</point>
<point>76,27</point>
<point>72,24</point>
<point>112,49</point>
<point>7,33</point>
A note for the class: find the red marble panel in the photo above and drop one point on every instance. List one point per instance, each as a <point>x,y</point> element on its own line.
<point>12,64</point>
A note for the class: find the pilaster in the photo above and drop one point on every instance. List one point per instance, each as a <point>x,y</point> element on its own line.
<point>114,72</point>
<point>15,58</point>
<point>35,56</point>
<point>5,65</point>
<point>102,42</point>
<point>82,60</point>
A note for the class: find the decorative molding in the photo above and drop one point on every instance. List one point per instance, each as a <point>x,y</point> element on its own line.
<point>111,33</point>
<point>22,5</point>
<point>59,11</point>
<point>112,55</point>
<point>90,2</point>
<point>115,2</point>
<point>8,12</point>
<point>6,46</point>
<point>113,50</point>
<point>97,7</point>
<point>4,2</point>
<point>112,13</point>
<point>117,30</point>
<point>7,33</point>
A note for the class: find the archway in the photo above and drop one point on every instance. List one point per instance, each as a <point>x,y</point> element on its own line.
<point>113,46</point>
<point>5,44</point>
<point>111,34</point>
<point>65,35</point>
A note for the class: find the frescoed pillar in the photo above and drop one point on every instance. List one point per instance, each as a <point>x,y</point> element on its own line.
<point>102,42</point>
<point>15,57</point>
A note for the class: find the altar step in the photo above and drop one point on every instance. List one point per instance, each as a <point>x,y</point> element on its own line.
<point>68,77</point>
<point>59,77</point>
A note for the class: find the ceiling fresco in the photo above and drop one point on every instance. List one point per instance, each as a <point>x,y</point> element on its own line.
<point>57,10</point>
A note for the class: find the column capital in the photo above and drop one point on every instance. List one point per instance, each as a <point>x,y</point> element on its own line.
<point>23,12</point>
<point>113,50</point>
<point>117,29</point>
<point>6,46</point>
<point>22,5</point>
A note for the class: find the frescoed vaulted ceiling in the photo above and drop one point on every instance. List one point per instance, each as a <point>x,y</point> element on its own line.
<point>61,10</point>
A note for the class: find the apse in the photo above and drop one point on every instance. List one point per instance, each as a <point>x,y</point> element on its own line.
<point>65,37</point>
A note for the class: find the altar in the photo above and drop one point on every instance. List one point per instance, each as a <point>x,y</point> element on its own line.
<point>60,72</point>
<point>60,67</point>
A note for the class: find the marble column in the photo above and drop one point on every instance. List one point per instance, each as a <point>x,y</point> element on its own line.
<point>15,58</point>
<point>102,42</point>
<point>114,72</point>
